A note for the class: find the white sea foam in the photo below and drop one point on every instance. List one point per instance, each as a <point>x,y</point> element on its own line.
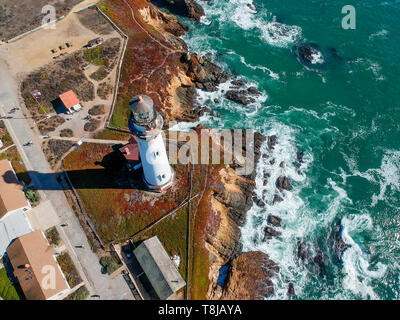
<point>387,176</point>
<point>292,209</point>
<point>358,269</point>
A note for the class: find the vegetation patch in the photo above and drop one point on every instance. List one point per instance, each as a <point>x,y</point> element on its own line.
<point>104,90</point>
<point>67,133</point>
<point>51,124</point>
<point>91,125</point>
<point>7,290</point>
<point>16,161</point>
<point>97,110</point>
<point>94,21</point>
<point>5,137</point>
<point>19,16</point>
<point>68,268</point>
<point>109,134</point>
<point>55,150</point>
<point>53,236</point>
<point>79,294</point>
<point>32,195</point>
<point>110,264</point>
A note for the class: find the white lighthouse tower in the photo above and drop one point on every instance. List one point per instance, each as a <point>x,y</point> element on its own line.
<point>146,124</point>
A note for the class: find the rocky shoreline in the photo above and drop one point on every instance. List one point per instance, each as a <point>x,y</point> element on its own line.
<point>173,88</point>
<point>249,273</point>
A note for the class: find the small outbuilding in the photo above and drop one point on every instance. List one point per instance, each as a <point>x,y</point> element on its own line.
<point>70,101</point>
<point>159,268</point>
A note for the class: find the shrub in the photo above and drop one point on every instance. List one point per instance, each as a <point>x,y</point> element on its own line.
<point>66,133</point>
<point>110,263</point>
<point>32,195</point>
<point>53,236</point>
<point>79,294</point>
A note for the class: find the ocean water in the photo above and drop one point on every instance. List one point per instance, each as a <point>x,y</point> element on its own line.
<point>342,111</point>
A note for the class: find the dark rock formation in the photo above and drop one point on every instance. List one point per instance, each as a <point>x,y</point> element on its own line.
<point>307,53</point>
<point>238,83</point>
<point>302,251</point>
<point>272,140</point>
<point>239,96</point>
<point>269,233</point>
<point>186,8</point>
<point>283,183</point>
<point>205,74</point>
<point>291,291</point>
<point>244,97</point>
<point>300,155</point>
<point>250,277</point>
<point>339,246</point>
<point>277,198</point>
<point>274,220</point>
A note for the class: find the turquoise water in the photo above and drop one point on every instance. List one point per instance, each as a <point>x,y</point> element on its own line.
<point>342,111</point>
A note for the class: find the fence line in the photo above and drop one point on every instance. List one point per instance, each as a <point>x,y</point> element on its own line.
<point>33,30</point>
<point>121,59</point>
<point>78,199</point>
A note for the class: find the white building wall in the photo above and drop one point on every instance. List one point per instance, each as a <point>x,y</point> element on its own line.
<point>157,170</point>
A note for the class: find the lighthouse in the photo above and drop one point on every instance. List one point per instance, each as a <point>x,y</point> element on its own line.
<point>146,124</point>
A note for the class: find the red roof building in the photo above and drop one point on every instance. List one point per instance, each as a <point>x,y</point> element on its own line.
<point>131,150</point>
<point>70,101</point>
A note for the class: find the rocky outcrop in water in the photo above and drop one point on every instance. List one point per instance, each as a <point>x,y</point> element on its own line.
<point>244,96</point>
<point>205,74</point>
<point>250,277</point>
<point>339,246</point>
<point>283,183</point>
<point>319,262</point>
<point>270,233</point>
<point>274,220</point>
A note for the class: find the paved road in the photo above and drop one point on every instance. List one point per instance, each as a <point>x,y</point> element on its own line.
<point>35,161</point>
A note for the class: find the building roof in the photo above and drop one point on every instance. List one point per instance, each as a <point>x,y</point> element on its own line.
<point>11,227</point>
<point>69,99</point>
<point>31,257</point>
<point>131,150</point>
<point>11,194</point>
<point>159,268</point>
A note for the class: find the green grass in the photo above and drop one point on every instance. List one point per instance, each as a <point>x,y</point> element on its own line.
<point>7,290</point>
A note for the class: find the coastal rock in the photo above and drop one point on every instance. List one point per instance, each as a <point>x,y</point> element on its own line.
<point>250,277</point>
<point>186,8</point>
<point>206,75</point>
<point>300,156</point>
<point>319,262</point>
<point>283,183</point>
<point>291,291</point>
<point>277,198</point>
<point>339,245</point>
<point>272,140</point>
<point>302,251</point>
<point>274,220</point>
<point>269,233</point>
<point>240,96</point>
<point>309,54</point>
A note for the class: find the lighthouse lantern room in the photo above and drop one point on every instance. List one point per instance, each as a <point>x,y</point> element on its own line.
<point>146,124</point>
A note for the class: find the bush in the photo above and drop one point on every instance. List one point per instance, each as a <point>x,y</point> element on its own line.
<point>110,263</point>
<point>53,236</point>
<point>66,133</point>
<point>80,294</point>
<point>68,268</point>
<point>32,195</point>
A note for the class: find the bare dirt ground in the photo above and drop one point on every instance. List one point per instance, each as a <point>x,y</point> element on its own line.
<point>20,16</point>
<point>32,53</point>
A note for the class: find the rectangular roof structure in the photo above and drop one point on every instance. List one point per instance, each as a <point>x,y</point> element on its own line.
<point>11,194</point>
<point>33,261</point>
<point>69,99</point>
<point>12,227</point>
<point>159,268</point>
<point>131,150</point>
